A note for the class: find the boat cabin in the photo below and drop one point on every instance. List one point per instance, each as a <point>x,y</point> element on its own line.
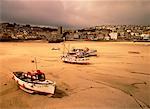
<point>36,75</point>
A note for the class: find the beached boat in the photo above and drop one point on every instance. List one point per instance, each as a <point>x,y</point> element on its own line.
<point>91,53</point>
<point>34,82</point>
<point>55,48</point>
<point>83,52</point>
<point>74,60</point>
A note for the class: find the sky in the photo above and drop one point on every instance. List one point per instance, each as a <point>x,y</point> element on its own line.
<point>75,13</point>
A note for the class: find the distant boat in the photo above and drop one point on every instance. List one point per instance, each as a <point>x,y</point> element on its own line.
<point>141,40</point>
<point>34,82</point>
<point>74,60</point>
<point>55,49</point>
<point>83,52</point>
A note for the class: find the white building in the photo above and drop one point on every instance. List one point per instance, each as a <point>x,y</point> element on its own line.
<point>113,35</point>
<point>19,36</point>
<point>145,36</point>
<point>132,34</point>
<point>76,36</point>
<point>128,31</point>
<point>106,38</point>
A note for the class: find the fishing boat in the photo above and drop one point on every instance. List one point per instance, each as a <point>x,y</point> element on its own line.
<point>91,53</point>
<point>83,52</point>
<point>34,82</point>
<point>74,60</point>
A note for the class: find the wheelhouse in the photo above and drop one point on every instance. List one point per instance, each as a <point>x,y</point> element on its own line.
<point>36,75</point>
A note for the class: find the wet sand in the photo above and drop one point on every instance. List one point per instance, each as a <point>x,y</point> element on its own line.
<point>119,78</point>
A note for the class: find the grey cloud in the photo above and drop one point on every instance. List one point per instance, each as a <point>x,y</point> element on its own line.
<point>76,13</point>
<point>39,12</point>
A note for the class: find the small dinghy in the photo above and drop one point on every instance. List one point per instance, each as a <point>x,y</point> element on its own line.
<point>55,49</point>
<point>74,60</point>
<point>34,82</point>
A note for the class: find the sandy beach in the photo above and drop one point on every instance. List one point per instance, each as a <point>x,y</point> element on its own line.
<point>119,78</point>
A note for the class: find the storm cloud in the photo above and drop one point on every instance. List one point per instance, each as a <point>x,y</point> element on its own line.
<point>75,13</point>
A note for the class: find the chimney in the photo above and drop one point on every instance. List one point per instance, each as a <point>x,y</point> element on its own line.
<point>60,30</point>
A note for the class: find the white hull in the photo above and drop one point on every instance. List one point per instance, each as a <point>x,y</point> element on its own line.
<point>36,87</point>
<point>91,54</point>
<point>75,60</point>
<point>83,53</point>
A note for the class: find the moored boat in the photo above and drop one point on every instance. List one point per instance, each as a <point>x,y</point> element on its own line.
<point>34,82</point>
<point>83,52</point>
<point>55,48</point>
<point>74,60</point>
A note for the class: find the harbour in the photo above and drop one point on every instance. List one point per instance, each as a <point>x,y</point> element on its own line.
<point>118,77</point>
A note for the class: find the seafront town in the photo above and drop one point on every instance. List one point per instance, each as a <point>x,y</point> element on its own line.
<point>15,32</point>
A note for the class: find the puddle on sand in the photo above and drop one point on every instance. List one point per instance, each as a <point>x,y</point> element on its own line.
<point>134,52</point>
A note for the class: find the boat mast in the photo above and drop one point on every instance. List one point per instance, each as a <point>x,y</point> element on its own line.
<point>68,48</point>
<point>63,48</point>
